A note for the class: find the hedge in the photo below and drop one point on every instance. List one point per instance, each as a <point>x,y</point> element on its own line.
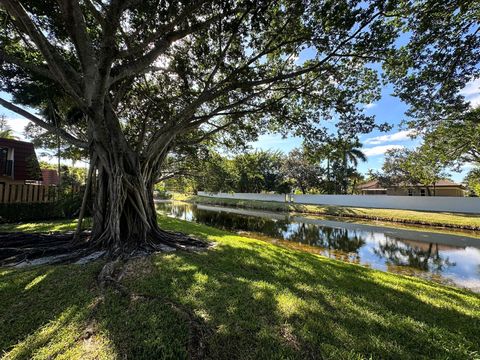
<point>17,212</point>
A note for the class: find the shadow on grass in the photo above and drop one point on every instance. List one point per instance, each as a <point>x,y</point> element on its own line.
<point>339,211</point>
<point>43,307</point>
<point>254,299</point>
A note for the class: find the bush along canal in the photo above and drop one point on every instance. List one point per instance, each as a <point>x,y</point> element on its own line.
<point>451,258</point>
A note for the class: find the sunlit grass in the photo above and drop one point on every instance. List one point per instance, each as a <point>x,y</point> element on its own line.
<point>48,226</point>
<point>244,298</point>
<point>441,219</point>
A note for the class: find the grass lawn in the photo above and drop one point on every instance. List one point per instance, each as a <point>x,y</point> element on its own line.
<point>243,299</point>
<point>442,219</point>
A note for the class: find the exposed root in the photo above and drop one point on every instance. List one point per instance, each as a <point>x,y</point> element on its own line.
<point>24,249</point>
<point>27,249</point>
<point>112,274</point>
<point>178,240</point>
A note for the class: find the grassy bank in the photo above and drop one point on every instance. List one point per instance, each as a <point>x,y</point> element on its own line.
<point>242,299</point>
<point>440,219</point>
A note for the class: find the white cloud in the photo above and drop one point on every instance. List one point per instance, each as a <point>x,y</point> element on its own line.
<point>380,150</point>
<point>469,166</point>
<point>472,92</point>
<point>370,105</point>
<point>398,136</point>
<point>472,88</point>
<point>475,100</point>
<point>18,126</point>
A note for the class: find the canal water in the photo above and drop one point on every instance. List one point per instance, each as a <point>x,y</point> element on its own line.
<point>445,256</point>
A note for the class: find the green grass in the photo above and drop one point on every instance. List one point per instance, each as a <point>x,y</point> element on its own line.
<point>243,299</point>
<point>439,219</point>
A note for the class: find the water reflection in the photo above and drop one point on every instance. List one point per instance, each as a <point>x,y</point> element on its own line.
<point>453,259</point>
<point>422,256</point>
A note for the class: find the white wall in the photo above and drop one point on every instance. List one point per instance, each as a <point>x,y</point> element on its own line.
<point>424,203</point>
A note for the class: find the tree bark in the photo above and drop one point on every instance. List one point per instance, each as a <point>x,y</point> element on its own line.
<point>124,218</point>
<point>428,191</point>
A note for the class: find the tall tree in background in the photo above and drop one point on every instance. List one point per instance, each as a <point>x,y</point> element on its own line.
<point>411,168</point>
<point>472,180</point>
<point>302,171</point>
<point>134,79</point>
<point>455,142</point>
<point>341,156</point>
<point>258,171</point>
<point>347,151</point>
<point>253,172</point>
<point>5,130</point>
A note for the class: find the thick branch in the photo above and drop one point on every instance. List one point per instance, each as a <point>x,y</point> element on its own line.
<point>76,26</point>
<point>51,56</point>
<point>37,69</point>
<point>37,121</point>
<point>138,49</point>
<point>161,45</point>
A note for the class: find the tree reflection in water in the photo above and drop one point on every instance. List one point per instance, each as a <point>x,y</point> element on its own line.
<point>424,256</point>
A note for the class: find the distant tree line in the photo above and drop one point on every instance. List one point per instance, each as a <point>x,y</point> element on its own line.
<point>330,168</point>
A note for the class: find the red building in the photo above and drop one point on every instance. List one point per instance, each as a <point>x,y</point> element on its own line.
<point>50,177</point>
<point>18,162</point>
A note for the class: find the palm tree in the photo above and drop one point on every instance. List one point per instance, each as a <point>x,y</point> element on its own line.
<point>5,130</point>
<point>348,151</point>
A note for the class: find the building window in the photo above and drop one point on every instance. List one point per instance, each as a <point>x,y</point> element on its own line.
<point>410,192</point>
<point>423,192</point>
<point>4,168</point>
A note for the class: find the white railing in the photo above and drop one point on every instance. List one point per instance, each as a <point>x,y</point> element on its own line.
<point>422,203</point>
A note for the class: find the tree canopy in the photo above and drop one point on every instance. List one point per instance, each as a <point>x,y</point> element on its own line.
<point>455,142</point>
<point>437,57</point>
<point>410,168</point>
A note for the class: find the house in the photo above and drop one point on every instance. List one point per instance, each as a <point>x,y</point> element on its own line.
<point>18,162</point>
<point>443,187</point>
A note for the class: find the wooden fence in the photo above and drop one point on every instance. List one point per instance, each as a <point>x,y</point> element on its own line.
<point>29,193</point>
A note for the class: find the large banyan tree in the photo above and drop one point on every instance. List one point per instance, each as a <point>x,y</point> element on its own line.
<point>129,81</point>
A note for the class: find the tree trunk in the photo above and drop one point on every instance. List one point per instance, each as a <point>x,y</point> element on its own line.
<point>124,214</point>
<point>124,218</point>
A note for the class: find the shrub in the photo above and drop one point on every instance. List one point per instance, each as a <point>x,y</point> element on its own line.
<point>16,212</point>
<point>162,194</point>
<point>71,203</point>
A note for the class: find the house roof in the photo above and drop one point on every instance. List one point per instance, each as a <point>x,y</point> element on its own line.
<point>446,182</point>
<point>370,185</point>
<point>25,162</point>
<point>374,185</point>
